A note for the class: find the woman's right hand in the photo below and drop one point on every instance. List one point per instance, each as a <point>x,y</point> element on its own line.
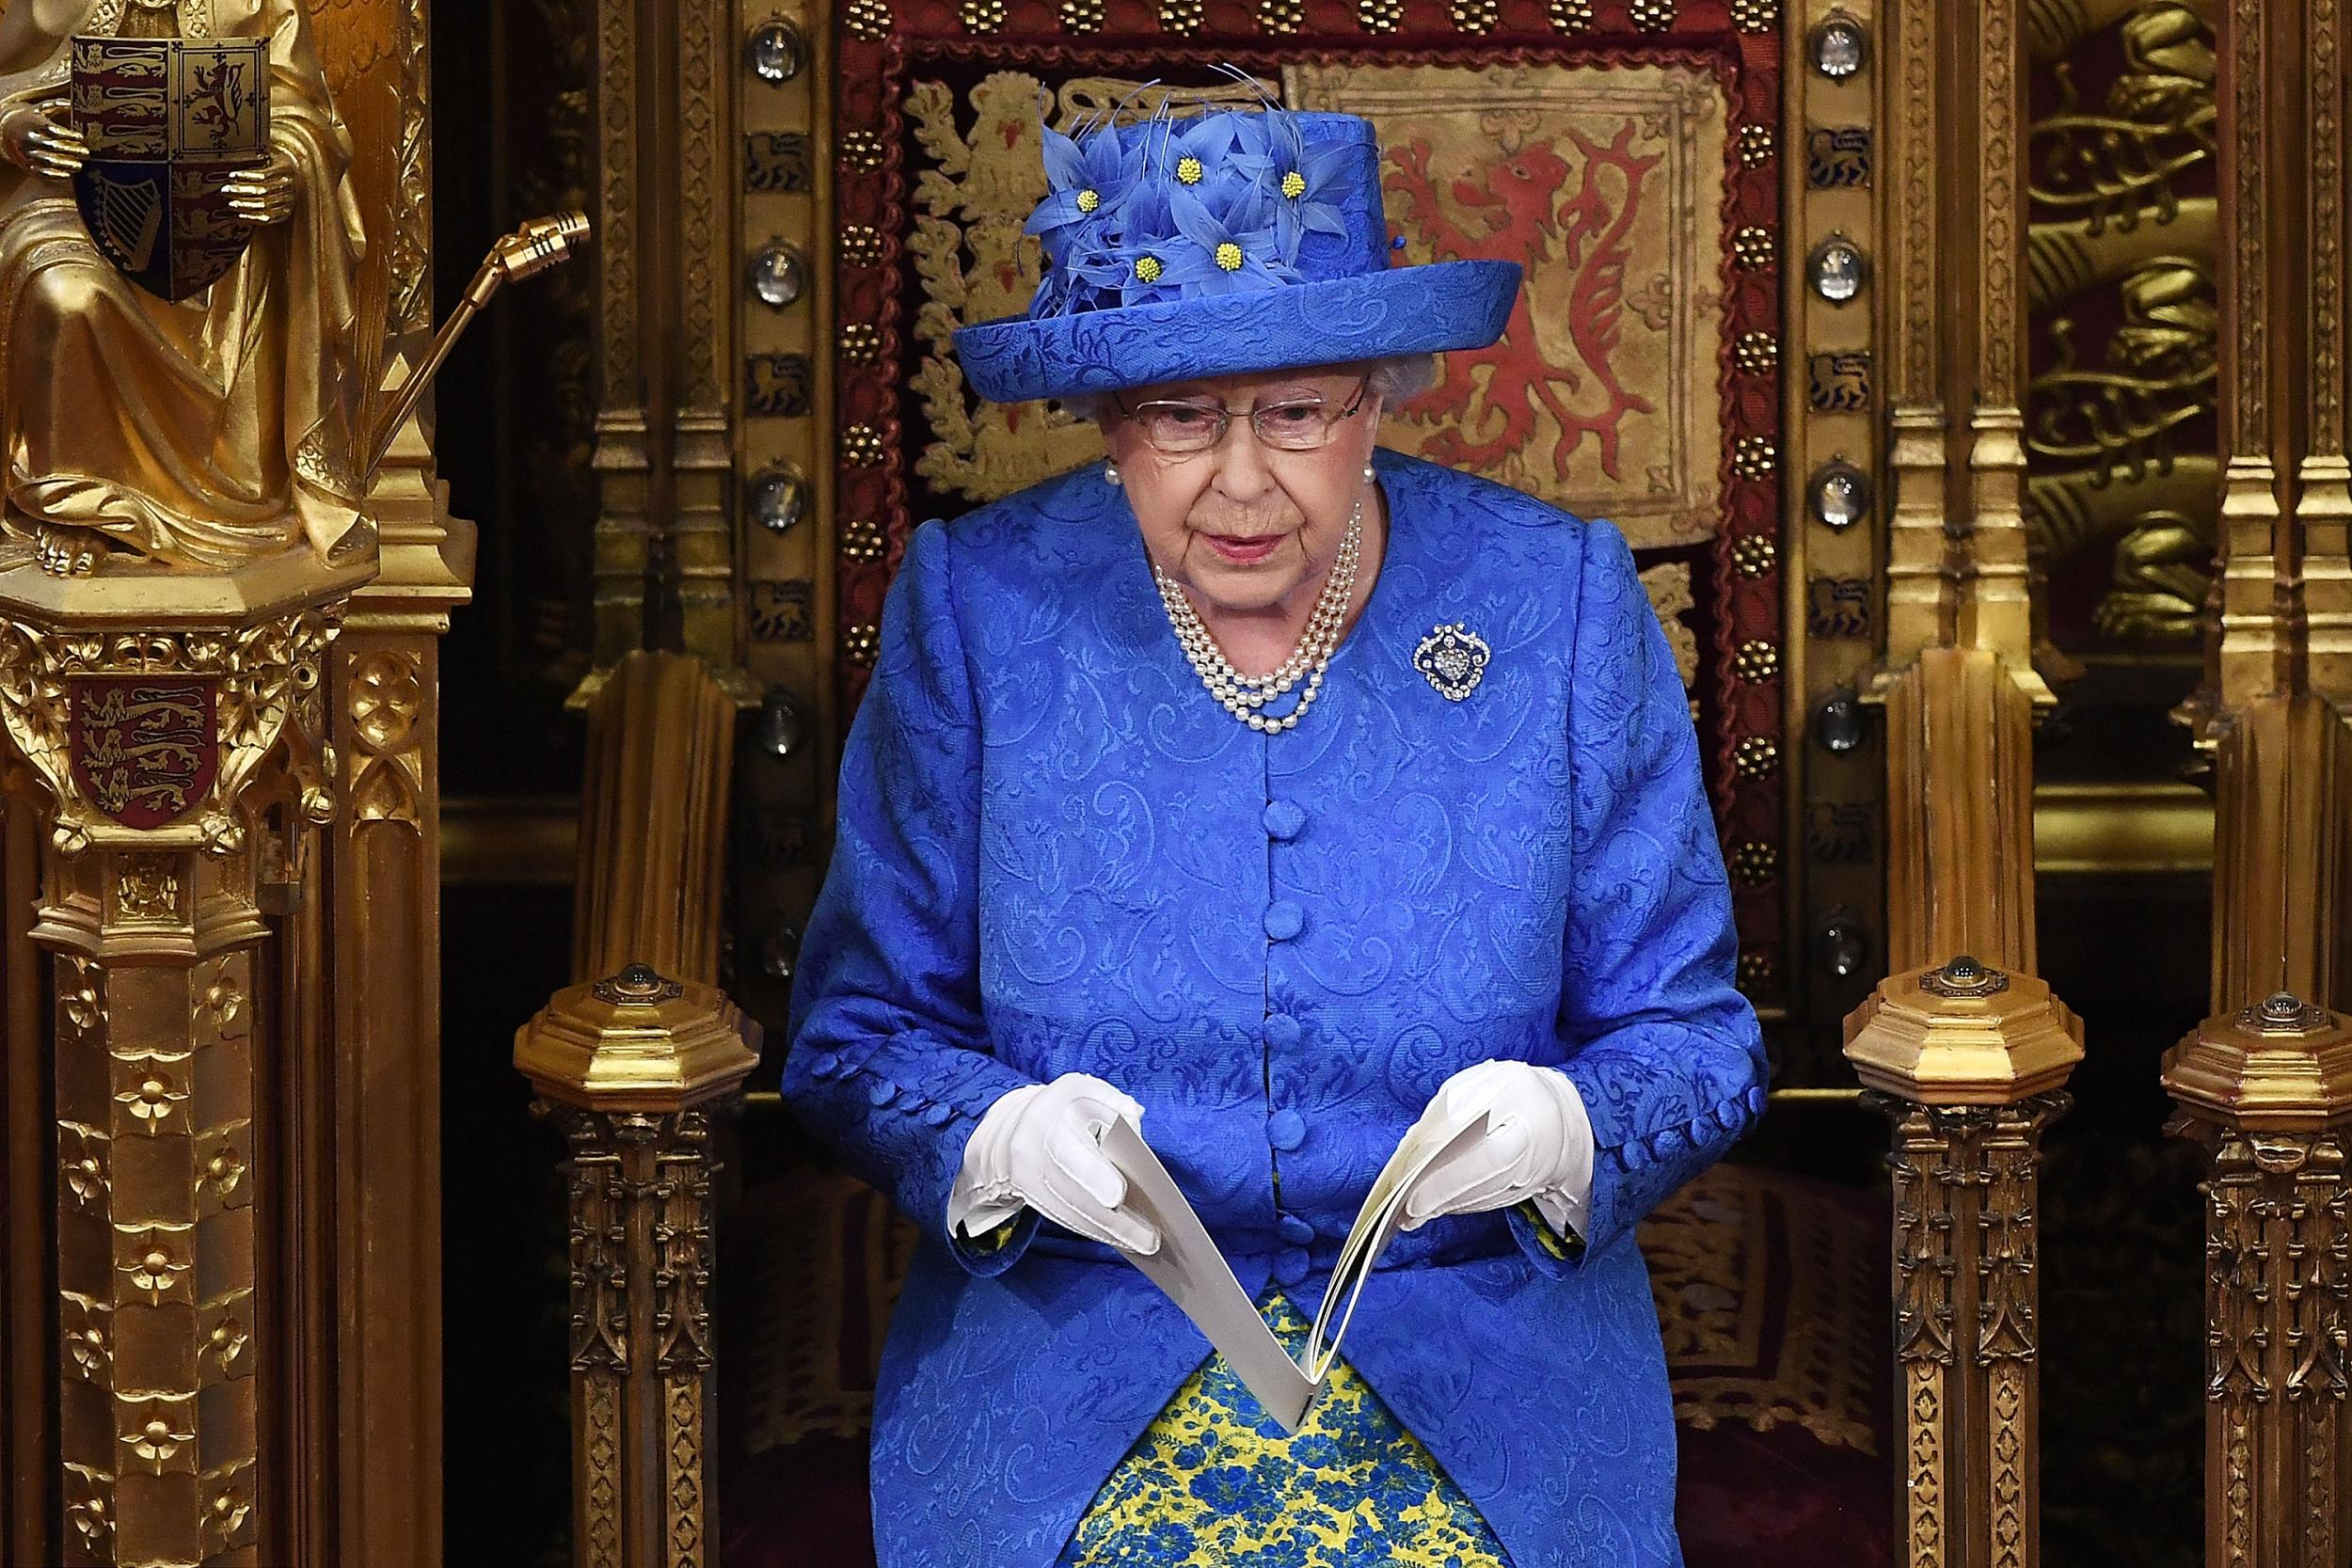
<point>36,137</point>
<point>1040,1147</point>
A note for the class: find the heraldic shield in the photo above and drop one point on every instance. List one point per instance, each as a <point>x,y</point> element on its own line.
<point>168,122</point>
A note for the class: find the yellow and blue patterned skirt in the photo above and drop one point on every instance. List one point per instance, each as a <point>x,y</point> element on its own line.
<point>1214,1481</point>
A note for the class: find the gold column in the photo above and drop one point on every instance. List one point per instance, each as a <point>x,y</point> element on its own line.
<point>633,1066</point>
<point>2280,662</point>
<point>185,765</point>
<point>2268,1092</point>
<point>370,1128</point>
<point>652,819</point>
<point>1968,1058</point>
<point>1957,682</point>
<point>669,163</point>
<point>1970,1063</point>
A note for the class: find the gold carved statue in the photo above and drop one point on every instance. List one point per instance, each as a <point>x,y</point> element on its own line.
<point>201,432</point>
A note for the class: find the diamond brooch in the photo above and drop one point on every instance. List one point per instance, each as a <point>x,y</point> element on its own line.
<point>1454,657</point>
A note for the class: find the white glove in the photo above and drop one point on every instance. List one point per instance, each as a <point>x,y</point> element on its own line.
<point>1038,1147</point>
<point>1538,1145</point>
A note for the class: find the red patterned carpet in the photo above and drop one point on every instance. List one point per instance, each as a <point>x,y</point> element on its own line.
<point>1770,1290</point>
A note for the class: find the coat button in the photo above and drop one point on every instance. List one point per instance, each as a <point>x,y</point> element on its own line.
<point>1284,818</point>
<point>1282,1031</point>
<point>1295,1230</point>
<point>1286,1130</point>
<point>1283,920</point>
<point>826,1065</point>
<point>1290,1265</point>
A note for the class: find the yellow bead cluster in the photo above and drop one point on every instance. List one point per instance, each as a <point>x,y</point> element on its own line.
<point>1147,269</point>
<point>1228,256</point>
<point>1089,200</point>
<point>1188,171</point>
<point>1294,184</point>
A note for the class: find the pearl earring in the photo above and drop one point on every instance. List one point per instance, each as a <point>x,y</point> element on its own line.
<point>1369,474</point>
<point>1110,474</point>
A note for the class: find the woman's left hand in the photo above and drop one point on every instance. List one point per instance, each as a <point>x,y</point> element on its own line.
<point>1538,1144</point>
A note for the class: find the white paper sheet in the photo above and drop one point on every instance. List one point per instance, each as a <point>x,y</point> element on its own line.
<point>1197,1277</point>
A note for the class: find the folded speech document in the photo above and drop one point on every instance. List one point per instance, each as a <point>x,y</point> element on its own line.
<point>1197,1277</point>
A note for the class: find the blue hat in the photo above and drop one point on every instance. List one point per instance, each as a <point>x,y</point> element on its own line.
<point>1242,240</point>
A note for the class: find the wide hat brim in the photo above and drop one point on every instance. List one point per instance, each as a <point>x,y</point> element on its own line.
<point>1415,310</point>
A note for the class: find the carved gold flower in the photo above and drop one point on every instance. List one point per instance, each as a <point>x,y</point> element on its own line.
<point>86,1345</point>
<point>1754,457</point>
<point>222,1172</point>
<point>1756,972</point>
<point>862,643</point>
<point>1753,554</point>
<point>226,1513</point>
<point>155,1270</point>
<point>1571,16</point>
<point>1756,660</point>
<point>156,1440</point>
<point>151,1099</point>
<point>83,1013</point>
<point>84,1179</point>
<point>226,1342</point>
<point>223,1002</point>
<point>90,1514</point>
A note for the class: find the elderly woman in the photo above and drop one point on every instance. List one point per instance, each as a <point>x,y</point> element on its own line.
<point>1271,791</point>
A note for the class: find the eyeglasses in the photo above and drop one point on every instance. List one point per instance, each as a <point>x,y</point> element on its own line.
<point>1294,424</point>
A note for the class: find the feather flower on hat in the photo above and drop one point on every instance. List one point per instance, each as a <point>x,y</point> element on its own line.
<point>1301,181</point>
<point>1223,252</point>
<point>1088,178</point>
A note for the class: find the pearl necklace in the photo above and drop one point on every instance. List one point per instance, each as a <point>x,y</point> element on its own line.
<point>1243,696</point>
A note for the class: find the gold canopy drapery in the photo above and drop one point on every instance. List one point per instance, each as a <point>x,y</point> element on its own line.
<point>204,432</point>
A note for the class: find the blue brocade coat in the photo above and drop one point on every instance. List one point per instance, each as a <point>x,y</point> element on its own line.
<point>1057,854</point>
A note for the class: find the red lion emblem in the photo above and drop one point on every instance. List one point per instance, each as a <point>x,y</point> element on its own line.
<point>1488,400</point>
<point>145,751</point>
